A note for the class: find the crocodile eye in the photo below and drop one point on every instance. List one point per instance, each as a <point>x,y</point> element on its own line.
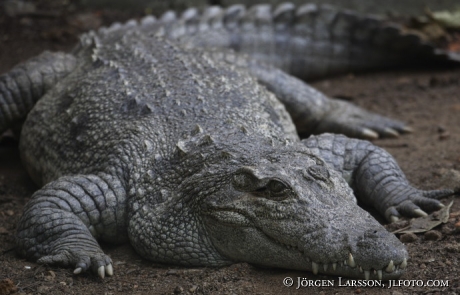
<point>276,186</point>
<point>319,172</point>
<point>243,181</point>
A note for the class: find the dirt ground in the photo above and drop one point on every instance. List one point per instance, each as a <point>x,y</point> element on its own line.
<point>428,99</point>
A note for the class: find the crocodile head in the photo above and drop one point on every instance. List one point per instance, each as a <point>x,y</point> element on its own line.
<point>291,210</point>
<point>277,207</point>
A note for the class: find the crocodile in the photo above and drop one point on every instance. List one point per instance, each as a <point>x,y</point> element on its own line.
<point>181,136</point>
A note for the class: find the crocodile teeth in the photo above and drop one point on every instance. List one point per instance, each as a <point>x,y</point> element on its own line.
<point>360,269</point>
<point>334,266</point>
<point>351,261</point>
<point>314,267</point>
<point>390,267</point>
<point>379,274</point>
<point>367,274</point>
<point>403,264</point>
<point>325,267</point>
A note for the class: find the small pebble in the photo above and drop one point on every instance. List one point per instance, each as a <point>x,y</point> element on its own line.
<point>457,225</point>
<point>172,272</point>
<point>454,214</point>
<point>178,290</point>
<point>444,135</point>
<point>130,271</point>
<point>452,247</point>
<point>450,178</point>
<point>43,289</point>
<point>408,238</point>
<point>448,228</point>
<point>432,235</point>
<point>193,288</point>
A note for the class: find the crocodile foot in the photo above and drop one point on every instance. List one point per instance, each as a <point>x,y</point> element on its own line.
<point>413,203</point>
<point>97,261</point>
<point>348,119</point>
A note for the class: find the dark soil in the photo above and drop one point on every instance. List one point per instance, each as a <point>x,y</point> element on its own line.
<point>428,99</point>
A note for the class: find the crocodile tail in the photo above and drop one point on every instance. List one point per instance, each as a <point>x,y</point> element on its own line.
<point>22,86</point>
<point>308,41</point>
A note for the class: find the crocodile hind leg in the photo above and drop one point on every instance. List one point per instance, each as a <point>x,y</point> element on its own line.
<point>62,221</point>
<point>315,113</point>
<point>375,176</point>
<point>312,111</point>
<point>23,86</point>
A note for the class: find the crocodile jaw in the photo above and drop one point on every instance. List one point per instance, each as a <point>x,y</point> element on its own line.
<point>342,240</point>
<point>350,267</point>
<point>258,248</point>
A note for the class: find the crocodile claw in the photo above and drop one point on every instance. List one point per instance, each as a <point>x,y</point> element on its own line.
<point>390,132</point>
<point>369,134</point>
<point>77,271</point>
<point>420,212</point>
<point>416,203</point>
<point>393,218</point>
<point>97,261</point>
<point>348,119</point>
<point>105,270</point>
<point>109,270</point>
<point>101,272</point>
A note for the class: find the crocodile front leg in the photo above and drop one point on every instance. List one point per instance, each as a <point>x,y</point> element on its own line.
<point>26,83</point>
<point>375,176</point>
<point>61,223</point>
